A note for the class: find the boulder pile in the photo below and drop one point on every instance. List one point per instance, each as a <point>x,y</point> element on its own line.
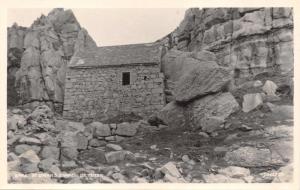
<point>198,91</point>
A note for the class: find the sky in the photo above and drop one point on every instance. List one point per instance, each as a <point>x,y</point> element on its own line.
<point>114,26</point>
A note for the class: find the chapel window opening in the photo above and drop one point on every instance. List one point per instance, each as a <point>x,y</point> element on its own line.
<point>125,78</point>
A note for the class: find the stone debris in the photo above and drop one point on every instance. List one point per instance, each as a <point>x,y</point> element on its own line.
<point>116,156</point>
<point>170,169</point>
<point>29,162</point>
<point>265,177</point>
<point>13,165</point>
<point>153,147</point>
<point>234,172</point>
<point>30,141</point>
<point>203,134</point>
<point>219,178</point>
<point>68,139</point>
<point>251,101</point>
<point>185,158</point>
<point>257,83</point>
<point>69,153</point>
<point>50,152</point>
<point>126,129</point>
<point>286,111</point>
<point>253,157</point>
<point>68,165</point>
<point>285,174</point>
<point>15,122</point>
<point>105,179</point>
<point>74,126</point>
<point>29,157</point>
<point>12,156</point>
<point>172,179</point>
<point>97,143</point>
<point>139,180</point>
<point>270,88</point>
<point>101,130</point>
<point>21,148</point>
<point>41,114</point>
<point>46,164</point>
<point>114,147</point>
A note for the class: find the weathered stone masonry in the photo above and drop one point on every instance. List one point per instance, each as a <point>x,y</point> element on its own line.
<point>97,93</point>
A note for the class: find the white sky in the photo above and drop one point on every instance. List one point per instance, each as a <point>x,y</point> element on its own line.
<point>114,26</point>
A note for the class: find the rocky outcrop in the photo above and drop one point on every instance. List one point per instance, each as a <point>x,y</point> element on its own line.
<point>38,56</point>
<point>249,40</point>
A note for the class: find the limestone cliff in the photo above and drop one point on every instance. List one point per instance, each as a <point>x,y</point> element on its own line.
<point>248,40</point>
<point>38,55</point>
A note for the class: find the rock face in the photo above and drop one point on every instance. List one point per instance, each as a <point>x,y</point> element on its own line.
<point>38,55</point>
<point>249,40</point>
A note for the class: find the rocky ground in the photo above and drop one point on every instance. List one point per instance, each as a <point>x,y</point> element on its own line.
<point>254,145</point>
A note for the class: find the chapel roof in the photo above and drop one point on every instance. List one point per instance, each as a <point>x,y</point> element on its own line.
<point>147,53</point>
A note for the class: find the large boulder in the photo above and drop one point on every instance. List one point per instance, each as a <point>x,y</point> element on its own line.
<point>211,111</point>
<point>201,81</point>
<point>173,115</point>
<point>207,113</point>
<point>176,64</point>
